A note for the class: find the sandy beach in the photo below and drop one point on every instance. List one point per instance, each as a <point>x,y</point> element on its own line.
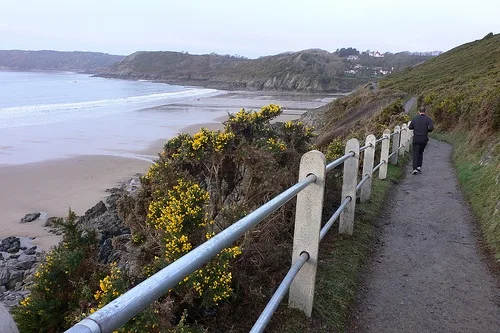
<point>53,187</point>
<point>80,180</point>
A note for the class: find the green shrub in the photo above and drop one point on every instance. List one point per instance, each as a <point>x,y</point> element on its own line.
<point>62,282</point>
<point>203,183</point>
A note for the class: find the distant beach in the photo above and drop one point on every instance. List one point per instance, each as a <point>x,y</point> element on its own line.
<point>51,166</point>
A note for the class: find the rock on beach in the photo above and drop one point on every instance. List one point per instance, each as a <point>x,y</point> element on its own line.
<point>30,217</point>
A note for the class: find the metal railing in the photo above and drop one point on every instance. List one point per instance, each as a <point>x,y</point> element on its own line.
<point>300,279</point>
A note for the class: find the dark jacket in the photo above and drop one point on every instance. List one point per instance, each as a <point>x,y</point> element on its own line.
<point>421,125</point>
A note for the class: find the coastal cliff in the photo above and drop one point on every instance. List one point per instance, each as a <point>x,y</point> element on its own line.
<point>306,71</point>
<point>311,70</point>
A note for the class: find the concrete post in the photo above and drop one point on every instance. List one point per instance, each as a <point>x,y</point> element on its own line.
<point>368,161</point>
<point>384,154</point>
<point>346,224</point>
<point>408,138</point>
<point>395,145</point>
<point>7,324</point>
<point>402,140</point>
<point>307,229</point>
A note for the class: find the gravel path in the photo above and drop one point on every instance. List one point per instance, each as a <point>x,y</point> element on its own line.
<point>428,274</point>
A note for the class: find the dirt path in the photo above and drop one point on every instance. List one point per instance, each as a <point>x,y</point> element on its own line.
<point>428,274</point>
<point>409,104</point>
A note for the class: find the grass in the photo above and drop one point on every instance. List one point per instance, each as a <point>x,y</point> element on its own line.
<point>341,262</point>
<point>459,87</point>
<point>480,182</point>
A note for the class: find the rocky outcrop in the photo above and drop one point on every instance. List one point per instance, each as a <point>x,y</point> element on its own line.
<point>30,217</point>
<point>17,264</point>
<point>10,245</point>
<point>19,260</point>
<point>103,219</point>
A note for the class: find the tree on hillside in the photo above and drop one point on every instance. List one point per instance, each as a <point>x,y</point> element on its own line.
<point>345,52</point>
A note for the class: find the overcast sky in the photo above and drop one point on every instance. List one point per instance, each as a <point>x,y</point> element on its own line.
<point>250,28</point>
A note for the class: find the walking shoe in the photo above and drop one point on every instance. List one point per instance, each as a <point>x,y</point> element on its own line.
<point>419,169</point>
<point>414,172</point>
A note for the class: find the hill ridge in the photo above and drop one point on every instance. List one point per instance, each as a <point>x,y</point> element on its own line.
<point>75,61</point>
<point>312,70</point>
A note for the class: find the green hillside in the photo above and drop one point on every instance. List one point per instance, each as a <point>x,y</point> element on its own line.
<point>461,89</point>
<point>309,70</point>
<point>461,86</point>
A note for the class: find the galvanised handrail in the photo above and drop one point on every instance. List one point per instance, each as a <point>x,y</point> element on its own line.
<point>334,217</point>
<point>126,306</point>
<point>266,315</point>
<point>273,304</point>
<point>363,180</point>
<point>338,161</point>
<point>375,168</point>
<point>365,147</point>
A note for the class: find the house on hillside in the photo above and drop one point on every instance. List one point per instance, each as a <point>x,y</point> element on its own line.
<point>376,54</point>
<point>352,57</point>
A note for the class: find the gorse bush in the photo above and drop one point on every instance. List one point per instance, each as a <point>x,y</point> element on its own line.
<point>390,116</point>
<point>203,183</point>
<point>199,185</point>
<point>62,282</point>
<point>179,216</point>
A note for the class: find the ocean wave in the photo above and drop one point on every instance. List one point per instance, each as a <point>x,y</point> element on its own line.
<point>166,98</point>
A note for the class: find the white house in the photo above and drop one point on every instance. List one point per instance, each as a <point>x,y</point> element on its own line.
<point>376,54</point>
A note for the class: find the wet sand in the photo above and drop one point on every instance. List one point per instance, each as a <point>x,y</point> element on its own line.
<point>41,176</point>
<point>53,187</point>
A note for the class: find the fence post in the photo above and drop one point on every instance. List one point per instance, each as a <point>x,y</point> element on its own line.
<point>384,154</point>
<point>346,224</point>
<point>368,161</point>
<point>307,229</point>
<point>402,140</point>
<point>395,145</point>
<point>408,138</point>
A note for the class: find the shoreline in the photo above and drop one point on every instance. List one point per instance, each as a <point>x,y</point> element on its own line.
<point>52,186</point>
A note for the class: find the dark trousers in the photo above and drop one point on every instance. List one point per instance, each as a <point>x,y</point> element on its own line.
<point>418,151</point>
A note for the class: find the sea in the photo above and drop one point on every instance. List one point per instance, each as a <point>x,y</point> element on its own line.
<point>50,115</point>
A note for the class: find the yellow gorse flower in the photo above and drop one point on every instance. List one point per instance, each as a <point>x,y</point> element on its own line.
<point>266,113</point>
<point>275,144</point>
<point>108,288</point>
<point>177,215</point>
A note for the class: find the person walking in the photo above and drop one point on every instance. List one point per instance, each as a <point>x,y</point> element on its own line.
<point>421,126</point>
